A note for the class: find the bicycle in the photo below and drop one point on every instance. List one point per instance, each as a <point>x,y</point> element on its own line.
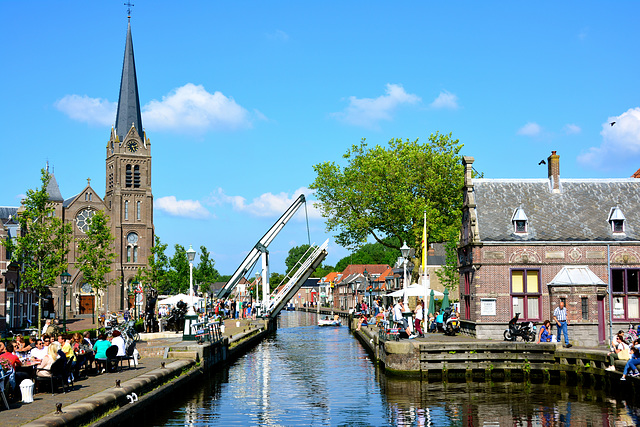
<point>631,335</point>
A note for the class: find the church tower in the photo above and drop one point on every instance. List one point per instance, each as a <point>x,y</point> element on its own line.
<point>128,197</point>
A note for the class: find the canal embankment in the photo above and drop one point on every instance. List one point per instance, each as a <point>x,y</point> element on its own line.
<point>437,357</point>
<point>182,364</point>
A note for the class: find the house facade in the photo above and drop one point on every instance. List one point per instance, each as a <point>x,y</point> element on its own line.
<point>527,244</point>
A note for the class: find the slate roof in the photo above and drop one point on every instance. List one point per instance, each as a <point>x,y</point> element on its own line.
<point>576,275</point>
<point>6,212</point>
<point>128,102</point>
<point>53,190</point>
<point>578,213</point>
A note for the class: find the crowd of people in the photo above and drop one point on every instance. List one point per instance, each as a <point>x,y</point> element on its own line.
<point>394,315</point>
<point>31,357</point>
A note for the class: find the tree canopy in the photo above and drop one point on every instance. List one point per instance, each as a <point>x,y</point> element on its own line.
<point>372,253</point>
<point>43,246</point>
<point>384,191</point>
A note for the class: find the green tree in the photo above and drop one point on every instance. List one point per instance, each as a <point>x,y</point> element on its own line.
<point>372,253</point>
<point>43,244</point>
<point>95,252</point>
<point>156,274</point>
<point>384,191</point>
<point>179,273</point>
<point>205,274</point>
<point>296,257</point>
<point>275,280</point>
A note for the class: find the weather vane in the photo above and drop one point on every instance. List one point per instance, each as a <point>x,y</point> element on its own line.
<point>129,5</point>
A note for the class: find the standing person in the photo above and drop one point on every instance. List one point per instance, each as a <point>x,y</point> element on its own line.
<point>418,319</point>
<point>47,323</point>
<point>562,321</point>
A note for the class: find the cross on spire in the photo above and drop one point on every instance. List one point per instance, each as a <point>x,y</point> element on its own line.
<point>129,5</point>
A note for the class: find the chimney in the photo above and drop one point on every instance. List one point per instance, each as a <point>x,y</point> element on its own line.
<point>553,162</point>
<point>467,163</point>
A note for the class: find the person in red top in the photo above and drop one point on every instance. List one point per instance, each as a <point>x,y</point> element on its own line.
<point>15,362</point>
<point>12,358</point>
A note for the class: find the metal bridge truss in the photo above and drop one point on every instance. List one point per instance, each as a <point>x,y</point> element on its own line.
<point>293,283</point>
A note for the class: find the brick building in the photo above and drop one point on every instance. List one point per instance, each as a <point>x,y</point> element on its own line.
<point>528,243</point>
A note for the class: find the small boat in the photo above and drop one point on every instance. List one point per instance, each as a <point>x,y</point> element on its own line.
<point>328,322</point>
<point>291,307</point>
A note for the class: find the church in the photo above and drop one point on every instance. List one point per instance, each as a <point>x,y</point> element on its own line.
<point>127,200</point>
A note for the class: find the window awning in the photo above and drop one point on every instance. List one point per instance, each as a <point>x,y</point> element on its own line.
<point>576,275</point>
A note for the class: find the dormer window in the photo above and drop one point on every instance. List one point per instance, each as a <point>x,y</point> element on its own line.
<point>520,221</point>
<point>616,220</point>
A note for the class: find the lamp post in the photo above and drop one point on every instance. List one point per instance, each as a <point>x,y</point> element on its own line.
<point>191,316</point>
<point>65,279</point>
<point>366,285</point>
<point>404,250</point>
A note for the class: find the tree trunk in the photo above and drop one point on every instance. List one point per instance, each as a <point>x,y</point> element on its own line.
<point>39,313</point>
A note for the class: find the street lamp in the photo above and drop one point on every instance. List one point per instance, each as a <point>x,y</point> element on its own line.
<point>191,316</point>
<point>366,285</point>
<point>404,250</point>
<point>65,279</point>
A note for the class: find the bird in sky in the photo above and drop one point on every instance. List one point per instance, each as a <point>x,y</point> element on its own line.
<point>542,162</point>
<point>612,123</point>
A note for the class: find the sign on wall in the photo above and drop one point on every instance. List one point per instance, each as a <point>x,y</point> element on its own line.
<point>488,307</point>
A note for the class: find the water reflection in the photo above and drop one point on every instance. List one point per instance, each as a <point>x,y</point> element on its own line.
<point>306,375</point>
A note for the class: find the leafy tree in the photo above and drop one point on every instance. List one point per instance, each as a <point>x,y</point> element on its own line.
<point>43,244</point>
<point>179,273</point>
<point>156,274</point>
<point>205,274</point>
<point>95,252</point>
<point>384,191</point>
<point>323,270</point>
<point>275,280</point>
<point>295,257</point>
<point>224,278</point>
<point>371,253</point>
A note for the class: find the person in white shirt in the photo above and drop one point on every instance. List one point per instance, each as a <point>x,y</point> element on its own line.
<point>118,341</point>
<point>46,325</point>
<point>419,316</point>
<point>400,320</point>
<point>39,352</point>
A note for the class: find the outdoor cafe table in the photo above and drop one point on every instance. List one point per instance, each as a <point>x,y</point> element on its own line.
<point>30,367</point>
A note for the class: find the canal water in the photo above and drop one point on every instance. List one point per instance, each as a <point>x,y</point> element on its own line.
<point>307,375</point>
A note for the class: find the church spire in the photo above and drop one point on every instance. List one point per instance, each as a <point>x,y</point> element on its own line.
<point>128,103</point>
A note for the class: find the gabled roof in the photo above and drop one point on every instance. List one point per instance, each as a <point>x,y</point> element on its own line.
<point>128,102</point>
<point>578,213</point>
<point>359,269</point>
<point>6,212</point>
<point>331,277</point>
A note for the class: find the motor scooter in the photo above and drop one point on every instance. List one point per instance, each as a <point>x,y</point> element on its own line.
<point>451,322</point>
<point>524,331</point>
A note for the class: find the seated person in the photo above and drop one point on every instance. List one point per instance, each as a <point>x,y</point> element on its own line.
<point>119,341</point>
<point>39,352</point>
<point>362,322</point>
<point>47,361</point>
<point>544,335</point>
<point>14,361</point>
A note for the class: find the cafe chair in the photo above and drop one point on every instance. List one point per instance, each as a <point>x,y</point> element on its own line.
<point>112,358</point>
<point>4,377</point>
<point>57,372</point>
<point>129,356</point>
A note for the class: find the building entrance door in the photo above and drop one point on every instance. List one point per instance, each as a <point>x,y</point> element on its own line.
<point>601,320</point>
<point>86,304</point>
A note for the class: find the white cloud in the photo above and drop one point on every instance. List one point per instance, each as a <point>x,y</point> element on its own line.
<point>446,100</point>
<point>530,129</point>
<point>571,129</point>
<point>367,112</point>
<point>187,109</point>
<point>181,208</point>
<point>95,111</point>
<point>620,142</point>
<point>191,108</point>
<point>267,204</point>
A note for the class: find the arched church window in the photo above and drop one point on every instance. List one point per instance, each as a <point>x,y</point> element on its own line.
<point>128,177</point>
<point>83,219</point>
<point>138,210</point>
<point>126,209</point>
<point>136,176</point>
<point>135,254</point>
<point>128,253</point>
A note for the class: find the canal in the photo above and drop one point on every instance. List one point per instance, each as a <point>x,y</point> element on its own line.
<point>307,375</point>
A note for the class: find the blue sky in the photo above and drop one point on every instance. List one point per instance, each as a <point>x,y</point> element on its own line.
<point>241,99</point>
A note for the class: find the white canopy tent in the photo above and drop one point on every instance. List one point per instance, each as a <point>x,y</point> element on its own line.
<point>415,290</point>
<point>197,301</point>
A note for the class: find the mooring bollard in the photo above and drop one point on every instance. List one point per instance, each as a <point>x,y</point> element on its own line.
<point>58,408</point>
<point>117,383</point>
